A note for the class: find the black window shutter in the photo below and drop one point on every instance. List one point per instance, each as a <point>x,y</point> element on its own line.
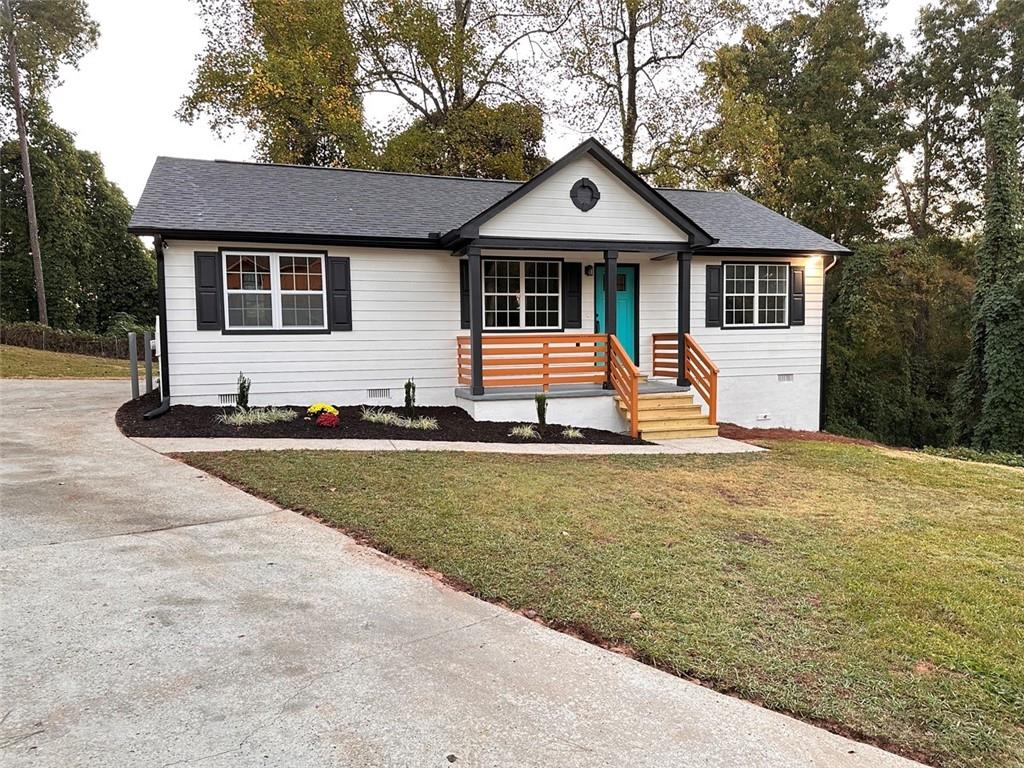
<point>209,297</point>
<point>464,292</point>
<point>339,299</point>
<point>713,296</point>
<point>572,292</point>
<point>797,300</point>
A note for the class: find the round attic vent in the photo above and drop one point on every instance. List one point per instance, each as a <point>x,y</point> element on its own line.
<point>584,194</point>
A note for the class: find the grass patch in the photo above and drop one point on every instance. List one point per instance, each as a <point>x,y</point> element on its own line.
<point>392,419</point>
<point>253,416</point>
<point>572,433</point>
<point>877,592</point>
<point>28,363</point>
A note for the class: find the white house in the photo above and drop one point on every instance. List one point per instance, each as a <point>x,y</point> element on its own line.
<point>339,285</point>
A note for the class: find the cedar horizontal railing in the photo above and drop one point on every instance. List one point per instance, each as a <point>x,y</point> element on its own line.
<point>521,360</point>
<point>698,369</point>
<point>625,378</point>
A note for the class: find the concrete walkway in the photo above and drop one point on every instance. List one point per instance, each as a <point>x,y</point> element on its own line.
<point>683,446</point>
<point>155,616</point>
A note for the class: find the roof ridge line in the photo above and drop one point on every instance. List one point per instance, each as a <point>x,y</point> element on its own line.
<point>348,170</point>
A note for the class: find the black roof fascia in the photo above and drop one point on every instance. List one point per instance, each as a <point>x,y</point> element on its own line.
<point>425,243</point>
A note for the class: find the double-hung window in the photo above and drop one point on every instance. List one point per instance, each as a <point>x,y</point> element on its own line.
<point>522,294</point>
<point>274,291</point>
<point>756,295</point>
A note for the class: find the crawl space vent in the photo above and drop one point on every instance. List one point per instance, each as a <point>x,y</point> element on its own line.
<point>378,394</point>
<point>785,377</point>
<point>227,399</point>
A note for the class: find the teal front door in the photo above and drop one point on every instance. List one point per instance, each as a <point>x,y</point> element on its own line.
<point>625,305</point>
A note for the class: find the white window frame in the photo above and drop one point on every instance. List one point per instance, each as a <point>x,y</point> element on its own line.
<point>758,266</point>
<point>275,290</point>
<point>522,295</point>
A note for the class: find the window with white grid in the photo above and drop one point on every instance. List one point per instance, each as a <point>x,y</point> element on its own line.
<point>273,291</point>
<point>756,295</point>
<point>522,294</point>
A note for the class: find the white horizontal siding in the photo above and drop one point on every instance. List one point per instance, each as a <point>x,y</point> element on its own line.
<point>405,318</point>
<point>547,211</point>
<point>405,307</point>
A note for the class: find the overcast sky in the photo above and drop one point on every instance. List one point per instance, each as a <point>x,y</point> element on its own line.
<point>121,101</point>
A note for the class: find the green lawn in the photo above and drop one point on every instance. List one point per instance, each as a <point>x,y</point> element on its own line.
<point>878,592</point>
<point>26,363</point>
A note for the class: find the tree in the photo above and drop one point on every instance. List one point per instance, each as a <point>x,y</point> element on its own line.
<point>990,392</point>
<point>899,318</point>
<point>459,70</point>
<point>94,269</point>
<point>39,37</point>
<point>502,142</point>
<point>807,121</point>
<point>286,71</point>
<point>965,49</point>
<point>631,68</point>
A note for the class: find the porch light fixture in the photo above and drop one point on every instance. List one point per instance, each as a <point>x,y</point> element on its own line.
<point>588,270</point>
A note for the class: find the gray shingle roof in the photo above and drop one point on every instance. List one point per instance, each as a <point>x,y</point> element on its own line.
<point>213,196</point>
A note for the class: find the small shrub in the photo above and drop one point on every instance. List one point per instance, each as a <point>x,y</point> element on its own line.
<point>524,431</point>
<point>380,416</point>
<point>392,419</point>
<point>317,408</point>
<point>410,397</point>
<point>248,418</point>
<point>985,457</point>
<point>242,396</point>
<point>328,420</point>
<point>422,422</point>
<point>542,409</point>
<point>572,433</point>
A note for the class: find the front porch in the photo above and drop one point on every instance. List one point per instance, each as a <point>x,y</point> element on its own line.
<point>589,380</point>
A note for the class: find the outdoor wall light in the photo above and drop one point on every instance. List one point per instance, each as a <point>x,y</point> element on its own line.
<point>588,270</point>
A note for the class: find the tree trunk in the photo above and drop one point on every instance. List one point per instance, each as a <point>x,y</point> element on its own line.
<point>26,170</point>
<point>630,118</point>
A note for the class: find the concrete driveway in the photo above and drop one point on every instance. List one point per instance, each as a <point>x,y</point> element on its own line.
<point>155,616</point>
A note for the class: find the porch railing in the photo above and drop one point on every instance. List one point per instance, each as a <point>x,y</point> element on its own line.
<point>698,369</point>
<point>625,378</point>
<point>519,359</point>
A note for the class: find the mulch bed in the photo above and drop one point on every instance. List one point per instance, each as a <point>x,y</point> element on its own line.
<point>454,424</point>
<point>736,432</point>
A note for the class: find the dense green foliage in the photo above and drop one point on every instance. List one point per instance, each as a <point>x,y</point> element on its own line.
<point>502,142</point>
<point>899,326</point>
<point>824,118</point>
<point>964,50</point>
<point>983,457</point>
<point>49,35</point>
<point>94,269</point>
<point>990,394</point>
<point>287,72</point>
<point>809,125</point>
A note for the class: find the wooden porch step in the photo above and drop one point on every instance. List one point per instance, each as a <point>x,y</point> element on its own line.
<point>696,421</point>
<point>661,400</point>
<point>686,411</point>
<point>669,434</point>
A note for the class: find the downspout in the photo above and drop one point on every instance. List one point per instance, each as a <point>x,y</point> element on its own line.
<point>823,379</point>
<point>165,371</point>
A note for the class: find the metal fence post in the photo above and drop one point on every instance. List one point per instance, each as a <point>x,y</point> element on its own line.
<point>147,342</point>
<point>133,363</point>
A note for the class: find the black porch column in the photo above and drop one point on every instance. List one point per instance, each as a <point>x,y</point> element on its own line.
<point>611,273</point>
<point>684,259</point>
<point>476,320</point>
